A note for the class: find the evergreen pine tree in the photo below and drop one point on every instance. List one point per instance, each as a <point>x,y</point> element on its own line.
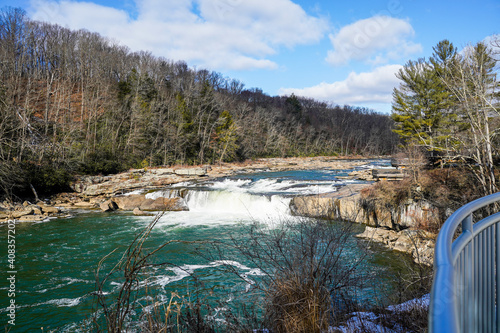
<point>423,106</point>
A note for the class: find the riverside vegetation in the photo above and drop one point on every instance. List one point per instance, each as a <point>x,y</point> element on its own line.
<point>73,102</point>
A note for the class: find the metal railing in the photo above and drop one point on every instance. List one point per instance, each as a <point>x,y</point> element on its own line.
<point>466,284</point>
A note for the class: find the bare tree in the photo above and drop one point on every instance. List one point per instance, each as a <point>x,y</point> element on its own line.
<point>474,83</point>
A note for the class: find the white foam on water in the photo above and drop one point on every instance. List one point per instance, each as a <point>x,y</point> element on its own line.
<point>170,193</point>
<point>242,205</point>
<point>67,302</point>
<point>381,164</point>
<point>232,185</point>
<point>134,192</point>
<point>59,302</point>
<point>67,281</point>
<point>184,271</point>
<point>179,274</point>
<point>276,186</point>
<point>272,185</point>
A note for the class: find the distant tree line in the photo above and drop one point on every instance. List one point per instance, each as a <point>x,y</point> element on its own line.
<point>76,102</point>
<point>449,105</point>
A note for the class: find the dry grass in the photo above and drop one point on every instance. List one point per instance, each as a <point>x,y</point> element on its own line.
<point>297,306</point>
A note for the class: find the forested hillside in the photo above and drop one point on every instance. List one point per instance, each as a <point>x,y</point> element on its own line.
<point>77,102</point>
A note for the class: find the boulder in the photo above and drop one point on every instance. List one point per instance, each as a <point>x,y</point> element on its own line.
<point>18,213</point>
<point>191,172</point>
<point>137,211</point>
<point>129,202</point>
<point>108,206</point>
<point>381,235</point>
<point>162,171</point>
<point>37,210</point>
<point>404,243</point>
<point>167,204</point>
<point>365,174</point>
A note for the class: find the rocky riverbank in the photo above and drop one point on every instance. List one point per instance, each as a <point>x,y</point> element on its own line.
<point>398,228</point>
<point>28,212</point>
<point>107,192</point>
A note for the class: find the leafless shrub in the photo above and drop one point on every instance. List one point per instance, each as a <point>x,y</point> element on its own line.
<point>119,308</point>
<point>306,268</point>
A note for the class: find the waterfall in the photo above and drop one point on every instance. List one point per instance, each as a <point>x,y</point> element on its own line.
<point>242,204</point>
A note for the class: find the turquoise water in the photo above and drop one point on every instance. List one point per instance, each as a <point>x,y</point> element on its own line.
<point>56,260</point>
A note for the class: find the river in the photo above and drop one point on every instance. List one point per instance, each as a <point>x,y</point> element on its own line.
<point>56,260</point>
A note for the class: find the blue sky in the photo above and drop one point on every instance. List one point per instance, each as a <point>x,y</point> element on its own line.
<point>342,52</point>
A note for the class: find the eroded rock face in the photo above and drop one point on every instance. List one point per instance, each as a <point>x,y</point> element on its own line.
<point>348,204</point>
<point>343,204</point>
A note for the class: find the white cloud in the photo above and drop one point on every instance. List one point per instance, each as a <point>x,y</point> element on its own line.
<point>357,89</point>
<point>76,15</point>
<point>377,40</point>
<point>218,34</point>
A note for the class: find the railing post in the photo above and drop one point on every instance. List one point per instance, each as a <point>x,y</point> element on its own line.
<point>467,227</point>
<point>497,271</point>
